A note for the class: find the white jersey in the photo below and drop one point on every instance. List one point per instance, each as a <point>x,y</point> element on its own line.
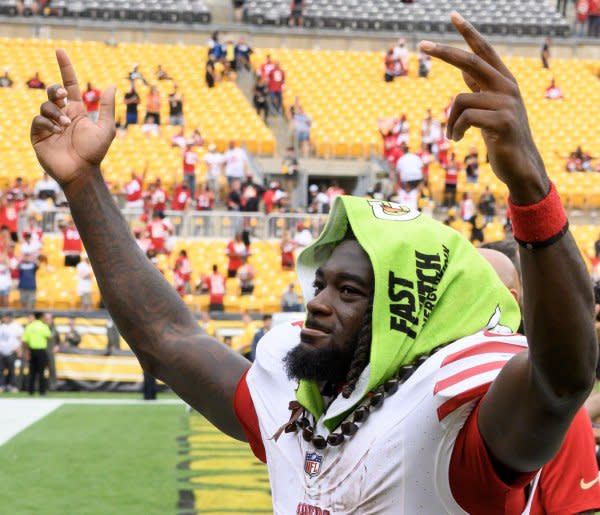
<point>398,461</point>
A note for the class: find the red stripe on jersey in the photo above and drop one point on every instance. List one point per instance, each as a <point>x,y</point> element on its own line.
<point>466,374</point>
<point>483,348</point>
<point>462,398</point>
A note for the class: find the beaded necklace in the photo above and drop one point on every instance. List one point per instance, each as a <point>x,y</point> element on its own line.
<point>299,420</point>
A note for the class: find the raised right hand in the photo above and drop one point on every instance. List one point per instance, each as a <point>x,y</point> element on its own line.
<point>66,142</point>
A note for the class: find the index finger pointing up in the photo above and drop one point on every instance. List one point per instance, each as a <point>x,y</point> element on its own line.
<point>479,44</point>
<point>67,72</point>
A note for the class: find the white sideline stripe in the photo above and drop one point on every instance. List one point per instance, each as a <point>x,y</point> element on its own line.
<point>17,415</point>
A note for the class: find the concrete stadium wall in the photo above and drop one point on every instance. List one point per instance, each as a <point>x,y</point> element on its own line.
<point>269,37</point>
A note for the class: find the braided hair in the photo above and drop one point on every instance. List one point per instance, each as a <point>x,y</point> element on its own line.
<point>362,353</point>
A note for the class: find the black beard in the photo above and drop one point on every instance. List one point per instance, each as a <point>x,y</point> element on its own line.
<point>328,364</point>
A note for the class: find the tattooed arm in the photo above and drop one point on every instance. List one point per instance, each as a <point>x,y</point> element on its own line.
<point>148,312</point>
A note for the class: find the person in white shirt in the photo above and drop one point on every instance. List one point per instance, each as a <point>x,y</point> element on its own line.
<point>410,168</point>
<point>5,280</point>
<point>45,188</point>
<point>214,168</point>
<point>401,56</point>
<point>236,162</point>
<point>10,350</point>
<point>30,245</point>
<point>84,283</point>
<point>303,236</point>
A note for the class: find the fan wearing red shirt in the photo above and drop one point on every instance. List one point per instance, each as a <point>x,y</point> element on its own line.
<point>451,181</point>
<point>159,230</point>
<point>205,198</point>
<point>184,269</point>
<point>72,245</point>
<point>159,197</point>
<point>443,146</point>
<point>215,284</point>
<point>19,193</point>
<point>9,216</point>
<point>276,83</point>
<point>133,190</point>
<point>265,68</point>
<point>236,250</point>
<point>190,159</point>
<point>181,197</point>
<point>91,101</point>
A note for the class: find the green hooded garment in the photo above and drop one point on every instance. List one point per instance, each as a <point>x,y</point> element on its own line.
<point>431,288</point>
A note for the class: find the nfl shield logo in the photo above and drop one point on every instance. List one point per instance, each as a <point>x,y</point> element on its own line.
<point>312,464</point>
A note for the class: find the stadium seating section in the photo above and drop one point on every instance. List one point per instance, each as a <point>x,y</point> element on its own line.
<point>345,95</point>
<point>161,11</point>
<point>529,17</point>
<point>222,113</point>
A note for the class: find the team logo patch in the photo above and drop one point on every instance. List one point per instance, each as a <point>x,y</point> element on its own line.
<point>386,210</point>
<point>312,463</point>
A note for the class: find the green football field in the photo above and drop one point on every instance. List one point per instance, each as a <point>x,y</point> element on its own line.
<point>141,458</point>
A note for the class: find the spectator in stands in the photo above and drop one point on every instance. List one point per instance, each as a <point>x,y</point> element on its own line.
<point>303,237</point>
<point>407,195</point>
<point>205,199</point>
<point>238,10</point>
<point>197,139</point>
<point>5,80</point>
<point>594,19</point>
<point>287,247</point>
<point>245,275</point>
<point>487,205</point>
<point>582,12</point>
<point>276,84</point>
<point>9,216</point>
<point>302,123</point>
<point>236,162</point>
<point>31,245</point>
<point>134,189</point>
<point>10,349</point>
<point>290,302</point>
<point>267,324</point>
<point>389,65</point>
<point>132,100</point>
<point>153,104</point>
<point>51,350</point>
<point>319,201</point>
<point>265,69</point>
<point>430,130</point>
<point>19,192</point>
<point>28,267</point>
<point>297,13</point>
<point>236,250</point>
<point>400,54</point>
<point>243,51</point>
<point>260,96</point>
<point>251,195</point>
<point>410,168</point>
<point>72,245</point>
<point>210,74</point>
<point>215,285</point>
<point>467,207</point>
<point>135,74</point>
<point>84,283</point>
<point>426,158</point>
<point>545,53</point>
<point>424,65</point>
<point>5,279</point>
<point>35,337</point>
<point>185,271</point>
<point>234,196</point>
<point>334,191</point>
<point>583,160</point>
<point>159,197</point>
<point>442,146</point>
<point>215,49</point>
<point>91,101</point>
<point>161,74</point>
<point>178,139</point>
<point>214,168</point>
<point>478,224</point>
<point>451,180</point>
<point>190,159</point>
<point>181,197</point>
<point>160,229</point>
<point>472,165</point>
<point>150,127</point>
<point>35,82</point>
<point>46,188</point>
<point>553,92</point>
<point>72,337</point>
<point>176,108</point>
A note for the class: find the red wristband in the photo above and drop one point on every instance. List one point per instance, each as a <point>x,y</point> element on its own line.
<point>540,224</point>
